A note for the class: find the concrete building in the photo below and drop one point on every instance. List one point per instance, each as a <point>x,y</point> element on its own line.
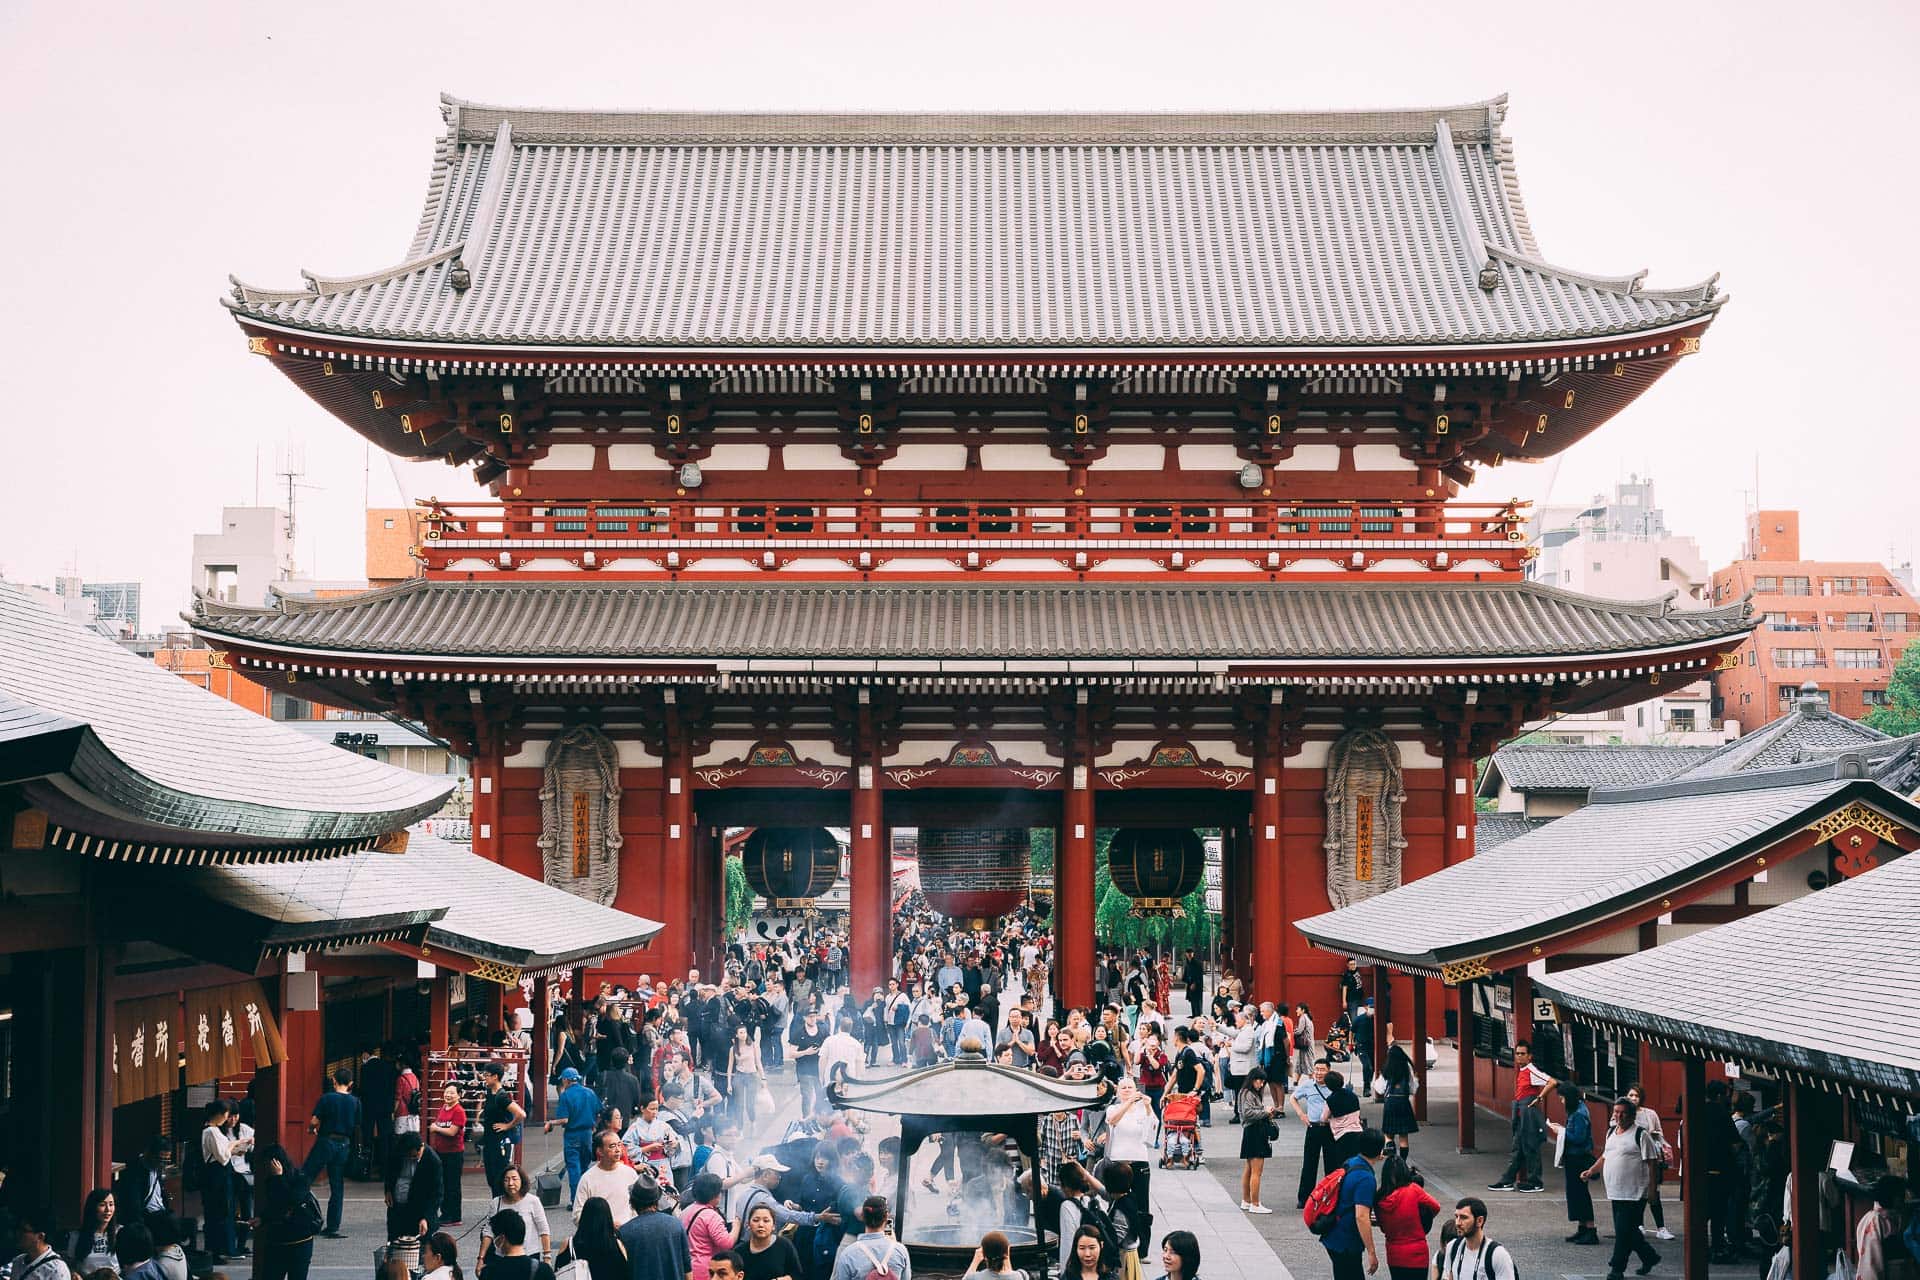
<point>1620,547</point>
<point>392,534</point>
<point>1842,624</point>
<point>252,551</point>
<point>115,605</point>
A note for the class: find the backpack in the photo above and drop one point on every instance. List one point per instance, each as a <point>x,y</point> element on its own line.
<point>1092,1215</point>
<point>1457,1246</point>
<point>1323,1204</point>
<point>413,1094</point>
<point>1300,1039</point>
<point>877,1268</point>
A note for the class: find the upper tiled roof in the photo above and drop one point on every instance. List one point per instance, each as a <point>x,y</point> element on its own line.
<point>1624,849</point>
<point>689,230</point>
<point>160,753</point>
<point>1809,732</point>
<point>922,620</point>
<point>1827,984</point>
<point>482,908</point>
<point>1553,766</point>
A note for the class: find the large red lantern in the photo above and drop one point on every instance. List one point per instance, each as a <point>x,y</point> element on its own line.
<point>791,866</point>
<point>1156,866</point>
<point>974,875</point>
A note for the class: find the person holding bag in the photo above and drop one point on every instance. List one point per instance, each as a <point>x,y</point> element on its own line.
<point>288,1217</point>
<point>1258,1129</point>
<point>1575,1154</point>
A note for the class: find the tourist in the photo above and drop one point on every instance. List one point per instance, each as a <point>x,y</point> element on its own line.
<point>37,1259</point>
<point>1362,1041</point>
<point>440,1258</point>
<point>650,1139</point>
<point>1405,1211</point>
<point>1470,1255</point>
<point>1242,1047</point>
<point>994,1256</point>
<point>618,1086</point>
<point>1624,1168</point>
<point>406,1098</point>
<point>1875,1230</point>
<point>169,1251</point>
<point>1302,1042</point>
<point>1077,1206</point>
<point>1714,1142</point>
<point>414,1189</point>
<point>841,1054</point>
<point>655,1242</point>
<point>500,1115</point>
<point>1084,1258</point>
<point>748,1078</point>
<point>807,1037</point>
<point>873,1249</point>
<point>766,1179</point>
<point>768,1254</point>
<point>1528,1125</point>
<point>1257,1132</point>
<point>516,1196</point>
<point>1193,977</point>
<point>1130,1223</point>
<point>141,1188</point>
<point>1648,1118</point>
<point>576,1109</point>
<point>447,1135</point>
<point>510,1259</point>
<point>1353,990</point>
<point>133,1255</point>
<point>705,1224</point>
<point>1150,1069</point>
<point>1352,1232</point>
<point>1130,1127</point>
<point>1396,1117</point>
<point>90,1246</point>
<point>1180,1255</point>
<point>285,1222</point>
<point>1311,1100</point>
<point>216,1183</point>
<point>728,1266</point>
<point>1576,1154</point>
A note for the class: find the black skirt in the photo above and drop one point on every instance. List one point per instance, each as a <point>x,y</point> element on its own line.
<point>1254,1142</point>
<point>1396,1118</point>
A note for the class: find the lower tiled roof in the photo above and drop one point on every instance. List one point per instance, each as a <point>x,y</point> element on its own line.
<point>1278,622</point>
<point>1828,984</point>
<point>1553,766</point>
<point>1491,830</point>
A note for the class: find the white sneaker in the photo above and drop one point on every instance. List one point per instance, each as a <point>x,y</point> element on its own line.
<point>1663,1234</point>
<point>1258,1208</point>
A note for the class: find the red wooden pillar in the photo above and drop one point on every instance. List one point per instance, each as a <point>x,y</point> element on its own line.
<point>440,1011</point>
<point>1464,993</point>
<point>1073,891</point>
<point>1419,1047</point>
<point>488,771</point>
<point>1806,1156</point>
<point>542,1048</point>
<point>675,943</point>
<point>1265,884</point>
<point>870,879</point>
<point>1693,1175</point>
<point>96,1075</point>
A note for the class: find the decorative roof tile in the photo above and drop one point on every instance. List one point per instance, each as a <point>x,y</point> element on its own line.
<point>1240,230</point>
<point>1553,766</point>
<point>168,756</point>
<point>1243,623</point>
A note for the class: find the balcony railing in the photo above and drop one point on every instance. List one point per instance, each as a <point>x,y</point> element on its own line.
<point>692,534</point>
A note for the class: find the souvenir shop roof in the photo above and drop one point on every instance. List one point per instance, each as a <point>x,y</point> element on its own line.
<point>1627,851</point>
<point>1827,986</point>
<point>923,622</point>
<point>1810,731</point>
<point>670,231</point>
<point>479,908</point>
<point>119,752</point>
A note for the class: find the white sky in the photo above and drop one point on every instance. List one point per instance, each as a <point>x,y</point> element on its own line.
<point>153,149</point>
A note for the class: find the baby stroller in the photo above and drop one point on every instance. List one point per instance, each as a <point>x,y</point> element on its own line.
<point>1180,1132</point>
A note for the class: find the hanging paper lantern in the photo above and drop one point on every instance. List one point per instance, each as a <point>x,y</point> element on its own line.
<point>1156,867</point>
<point>791,866</point>
<point>974,875</point>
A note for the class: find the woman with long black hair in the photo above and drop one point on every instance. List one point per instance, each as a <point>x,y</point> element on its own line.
<point>90,1247</point>
<point>440,1257</point>
<point>287,1217</point>
<point>596,1243</point>
<point>1397,1119</point>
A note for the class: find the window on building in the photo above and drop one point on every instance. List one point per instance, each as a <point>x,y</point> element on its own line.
<point>1796,586</point>
<point>1789,694</point>
<point>387,523</point>
<point>1753,657</point>
<point>1640,717</point>
<point>1897,622</point>
<point>1875,697</point>
<point>1596,566</point>
<point>1856,659</point>
<point>1766,584</point>
<point>1681,719</point>
<point>1796,657</point>
<point>1858,621</point>
<point>287,707</point>
<point>1847,586</point>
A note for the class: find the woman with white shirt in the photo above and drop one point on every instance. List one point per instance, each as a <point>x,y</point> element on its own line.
<point>1131,1125</point>
<point>652,1140</point>
<point>440,1258</point>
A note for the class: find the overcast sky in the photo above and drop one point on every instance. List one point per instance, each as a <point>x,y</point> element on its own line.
<point>153,149</point>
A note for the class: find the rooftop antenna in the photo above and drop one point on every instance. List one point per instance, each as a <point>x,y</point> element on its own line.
<point>295,476</point>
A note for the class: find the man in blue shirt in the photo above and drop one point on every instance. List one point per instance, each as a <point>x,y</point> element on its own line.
<point>336,1118</point>
<point>1353,1220</point>
<point>1309,1101</point>
<point>577,1108</point>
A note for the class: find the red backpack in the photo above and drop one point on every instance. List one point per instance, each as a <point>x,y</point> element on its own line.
<point>1323,1205</point>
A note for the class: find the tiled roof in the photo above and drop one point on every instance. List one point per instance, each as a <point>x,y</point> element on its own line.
<point>930,621</point>
<point>969,1088</point>
<point>1553,766</point>
<point>1801,734</point>
<point>678,230</point>
<point>160,754</point>
<point>1827,984</point>
<point>490,911</point>
<point>1491,830</point>
<point>1623,849</point>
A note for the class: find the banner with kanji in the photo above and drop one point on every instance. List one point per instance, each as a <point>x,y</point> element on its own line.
<point>146,1047</point>
<point>220,1021</point>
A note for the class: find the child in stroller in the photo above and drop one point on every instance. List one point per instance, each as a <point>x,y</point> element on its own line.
<point>1180,1132</point>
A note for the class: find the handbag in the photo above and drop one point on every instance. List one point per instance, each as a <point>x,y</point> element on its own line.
<point>307,1216</point>
<point>763,1098</point>
<point>1379,1085</point>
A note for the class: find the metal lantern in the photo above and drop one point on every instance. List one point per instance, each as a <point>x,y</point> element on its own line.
<point>791,866</point>
<point>1156,867</point>
<point>974,875</point>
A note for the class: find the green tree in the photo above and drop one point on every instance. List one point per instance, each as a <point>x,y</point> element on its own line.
<point>739,897</point>
<point>1901,715</point>
<point>1114,925</point>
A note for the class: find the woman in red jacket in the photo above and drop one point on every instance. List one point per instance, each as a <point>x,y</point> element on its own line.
<point>1405,1212</point>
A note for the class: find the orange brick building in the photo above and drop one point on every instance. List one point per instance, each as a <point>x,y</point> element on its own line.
<point>1840,624</point>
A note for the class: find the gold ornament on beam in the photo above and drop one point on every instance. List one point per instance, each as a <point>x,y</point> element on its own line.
<point>1855,815</point>
<point>258,347</point>
<point>1460,971</point>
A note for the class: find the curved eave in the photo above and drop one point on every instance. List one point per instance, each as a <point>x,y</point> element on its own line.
<point>96,791</point>
<point>956,1089</point>
<point>530,960</point>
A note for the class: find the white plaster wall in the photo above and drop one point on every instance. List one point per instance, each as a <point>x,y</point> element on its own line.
<point>566,457</point>
<point>1381,457</point>
<point>814,457</point>
<point>739,457</point>
<point>1018,457</point>
<point>635,457</point>
<point>1209,457</point>
<point>1131,457</point>
<point>803,748</point>
<point>928,457</point>
<point>632,754</point>
<point>1311,457</point>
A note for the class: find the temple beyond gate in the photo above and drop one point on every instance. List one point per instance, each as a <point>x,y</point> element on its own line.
<point>975,472</point>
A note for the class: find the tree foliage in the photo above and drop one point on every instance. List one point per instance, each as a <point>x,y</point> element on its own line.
<point>739,896</point>
<point>1901,715</point>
